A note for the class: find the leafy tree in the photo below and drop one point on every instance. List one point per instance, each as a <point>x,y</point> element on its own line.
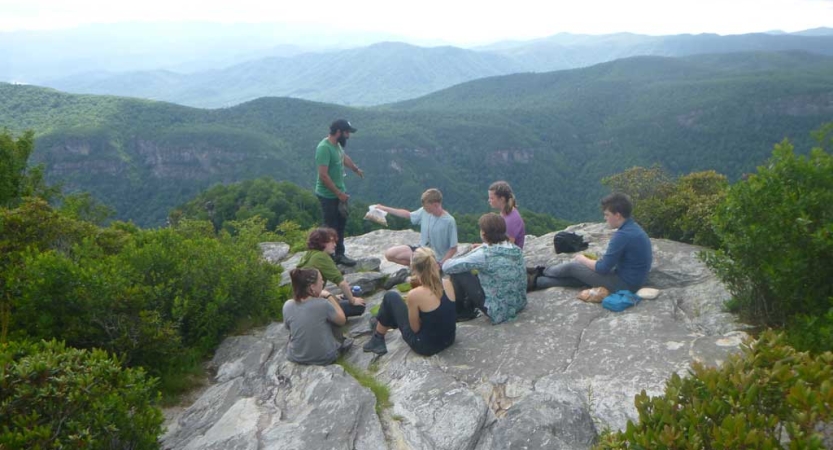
<point>286,208</point>
<point>678,209</point>
<point>776,229</point>
<point>16,179</point>
<point>83,206</point>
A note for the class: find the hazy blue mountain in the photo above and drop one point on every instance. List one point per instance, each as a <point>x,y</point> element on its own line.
<point>570,51</point>
<point>36,56</point>
<point>389,72</point>
<point>553,136</point>
<point>821,31</point>
<point>379,73</point>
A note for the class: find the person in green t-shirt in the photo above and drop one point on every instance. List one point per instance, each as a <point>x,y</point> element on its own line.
<point>329,185</point>
<point>321,244</point>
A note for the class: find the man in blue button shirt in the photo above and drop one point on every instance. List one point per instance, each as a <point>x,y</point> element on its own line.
<point>625,264</point>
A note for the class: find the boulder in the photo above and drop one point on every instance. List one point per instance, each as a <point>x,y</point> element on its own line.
<point>263,401</point>
<point>274,252</point>
<point>552,378</point>
<point>362,265</point>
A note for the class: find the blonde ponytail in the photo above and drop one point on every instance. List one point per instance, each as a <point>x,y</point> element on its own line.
<point>424,265</point>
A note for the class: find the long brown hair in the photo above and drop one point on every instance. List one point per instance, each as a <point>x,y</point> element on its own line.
<point>424,266</point>
<point>502,189</point>
<point>302,279</point>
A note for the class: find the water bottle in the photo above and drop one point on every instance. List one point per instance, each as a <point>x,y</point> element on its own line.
<point>356,290</point>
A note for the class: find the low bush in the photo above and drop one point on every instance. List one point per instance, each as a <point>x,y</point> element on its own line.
<point>160,299</point>
<point>776,233</point>
<point>679,209</point>
<point>53,396</point>
<point>769,396</point>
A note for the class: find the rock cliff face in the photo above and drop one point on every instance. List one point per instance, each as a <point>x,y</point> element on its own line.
<point>550,379</point>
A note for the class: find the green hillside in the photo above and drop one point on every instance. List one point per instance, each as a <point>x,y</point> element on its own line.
<point>553,136</point>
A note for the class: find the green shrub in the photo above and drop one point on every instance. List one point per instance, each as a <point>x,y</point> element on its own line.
<point>53,396</point>
<point>757,399</point>
<point>678,209</point>
<point>90,303</point>
<point>811,333</point>
<point>205,283</point>
<point>160,299</point>
<point>776,229</point>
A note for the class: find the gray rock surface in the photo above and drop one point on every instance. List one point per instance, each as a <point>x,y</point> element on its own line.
<point>274,252</point>
<point>550,379</point>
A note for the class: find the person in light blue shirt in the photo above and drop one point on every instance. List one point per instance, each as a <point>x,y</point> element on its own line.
<point>625,264</point>
<point>437,229</point>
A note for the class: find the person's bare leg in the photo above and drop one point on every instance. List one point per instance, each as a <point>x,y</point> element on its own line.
<point>400,254</point>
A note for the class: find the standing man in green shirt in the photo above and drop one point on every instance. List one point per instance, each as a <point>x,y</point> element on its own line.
<point>329,185</point>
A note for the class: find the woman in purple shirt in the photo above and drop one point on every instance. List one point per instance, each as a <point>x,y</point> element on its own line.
<point>502,198</point>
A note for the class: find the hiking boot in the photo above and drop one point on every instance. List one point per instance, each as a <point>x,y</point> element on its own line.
<point>376,344</point>
<point>344,260</point>
<point>346,345</point>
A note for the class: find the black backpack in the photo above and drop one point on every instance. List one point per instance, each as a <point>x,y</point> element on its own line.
<point>567,242</point>
<point>469,295</point>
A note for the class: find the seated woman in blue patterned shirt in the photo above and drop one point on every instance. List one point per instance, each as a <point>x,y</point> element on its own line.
<point>501,270</point>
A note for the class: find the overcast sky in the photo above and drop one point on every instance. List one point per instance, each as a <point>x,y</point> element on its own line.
<point>453,21</point>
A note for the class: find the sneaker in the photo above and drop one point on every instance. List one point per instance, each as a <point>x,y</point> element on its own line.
<point>376,344</point>
<point>344,260</point>
<point>346,345</point>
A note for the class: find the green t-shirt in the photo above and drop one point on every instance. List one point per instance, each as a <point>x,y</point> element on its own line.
<point>332,156</point>
<point>324,263</point>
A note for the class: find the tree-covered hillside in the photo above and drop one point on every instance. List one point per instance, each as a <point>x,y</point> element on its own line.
<point>553,136</point>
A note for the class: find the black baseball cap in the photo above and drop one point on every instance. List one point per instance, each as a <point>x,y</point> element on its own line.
<point>342,125</point>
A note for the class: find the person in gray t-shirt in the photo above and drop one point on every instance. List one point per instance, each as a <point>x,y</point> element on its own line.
<point>437,229</point>
<point>313,318</point>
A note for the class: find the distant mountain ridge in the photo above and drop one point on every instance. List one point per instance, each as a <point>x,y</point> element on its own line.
<point>553,135</point>
<point>380,73</point>
<point>390,72</point>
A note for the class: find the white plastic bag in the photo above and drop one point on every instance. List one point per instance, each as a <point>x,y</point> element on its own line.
<point>376,215</point>
<point>648,293</point>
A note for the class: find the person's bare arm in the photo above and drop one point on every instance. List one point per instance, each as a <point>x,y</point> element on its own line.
<point>415,298</point>
<point>340,319</point>
<point>328,183</point>
<point>348,294</point>
<point>448,255</point>
<point>352,166</point>
<point>403,213</point>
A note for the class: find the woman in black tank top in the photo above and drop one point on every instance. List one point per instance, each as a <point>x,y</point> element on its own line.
<point>427,319</point>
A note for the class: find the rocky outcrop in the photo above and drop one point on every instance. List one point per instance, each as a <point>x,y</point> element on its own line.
<point>550,379</point>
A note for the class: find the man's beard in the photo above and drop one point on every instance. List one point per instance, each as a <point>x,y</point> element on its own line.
<point>342,140</point>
